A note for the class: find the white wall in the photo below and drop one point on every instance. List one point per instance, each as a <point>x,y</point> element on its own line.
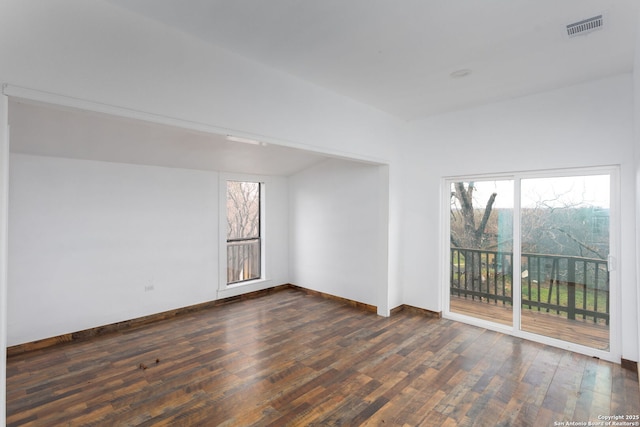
<point>636,91</point>
<point>86,239</point>
<point>4,198</point>
<point>336,212</point>
<point>584,125</point>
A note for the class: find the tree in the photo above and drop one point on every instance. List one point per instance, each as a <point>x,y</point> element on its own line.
<point>468,230</point>
<point>243,209</point>
<point>572,230</point>
<point>464,216</point>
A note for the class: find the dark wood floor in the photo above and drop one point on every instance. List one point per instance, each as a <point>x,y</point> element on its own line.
<point>292,359</point>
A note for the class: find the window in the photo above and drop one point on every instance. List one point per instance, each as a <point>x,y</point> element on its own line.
<point>243,231</point>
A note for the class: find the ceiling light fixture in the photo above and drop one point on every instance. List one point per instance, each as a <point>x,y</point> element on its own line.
<point>458,74</point>
<point>244,140</point>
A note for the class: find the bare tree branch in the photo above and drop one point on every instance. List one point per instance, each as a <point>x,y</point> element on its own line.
<point>580,244</point>
<point>485,218</point>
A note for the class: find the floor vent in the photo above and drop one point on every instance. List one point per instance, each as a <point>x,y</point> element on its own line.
<point>585,26</point>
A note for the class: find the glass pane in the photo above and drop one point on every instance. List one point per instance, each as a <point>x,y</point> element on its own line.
<point>243,260</point>
<point>243,210</point>
<point>565,247</point>
<point>481,257</point>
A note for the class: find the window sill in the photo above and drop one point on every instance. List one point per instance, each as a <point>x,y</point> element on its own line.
<point>244,287</point>
<point>247,283</point>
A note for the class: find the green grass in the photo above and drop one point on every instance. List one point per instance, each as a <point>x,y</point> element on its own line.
<point>561,297</point>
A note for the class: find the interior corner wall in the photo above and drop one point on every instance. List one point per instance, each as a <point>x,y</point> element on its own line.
<point>335,241</point>
<point>584,125</point>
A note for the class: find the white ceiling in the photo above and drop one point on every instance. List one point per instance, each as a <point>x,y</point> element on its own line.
<point>397,55</point>
<point>46,130</point>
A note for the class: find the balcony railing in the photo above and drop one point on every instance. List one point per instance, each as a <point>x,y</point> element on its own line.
<point>243,260</point>
<point>572,287</point>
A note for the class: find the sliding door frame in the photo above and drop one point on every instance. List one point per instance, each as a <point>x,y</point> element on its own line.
<point>614,352</point>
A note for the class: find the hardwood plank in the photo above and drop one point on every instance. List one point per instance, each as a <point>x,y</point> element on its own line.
<point>290,358</point>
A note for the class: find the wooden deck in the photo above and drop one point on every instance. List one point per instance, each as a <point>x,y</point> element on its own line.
<point>290,359</point>
<point>538,322</point>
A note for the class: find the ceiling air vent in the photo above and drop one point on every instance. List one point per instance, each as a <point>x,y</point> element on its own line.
<point>585,26</point>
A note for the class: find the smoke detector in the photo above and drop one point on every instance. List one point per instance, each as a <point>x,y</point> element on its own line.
<point>585,26</point>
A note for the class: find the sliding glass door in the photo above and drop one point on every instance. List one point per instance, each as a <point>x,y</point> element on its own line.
<point>564,258</point>
<point>481,249</point>
<point>530,254</point>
